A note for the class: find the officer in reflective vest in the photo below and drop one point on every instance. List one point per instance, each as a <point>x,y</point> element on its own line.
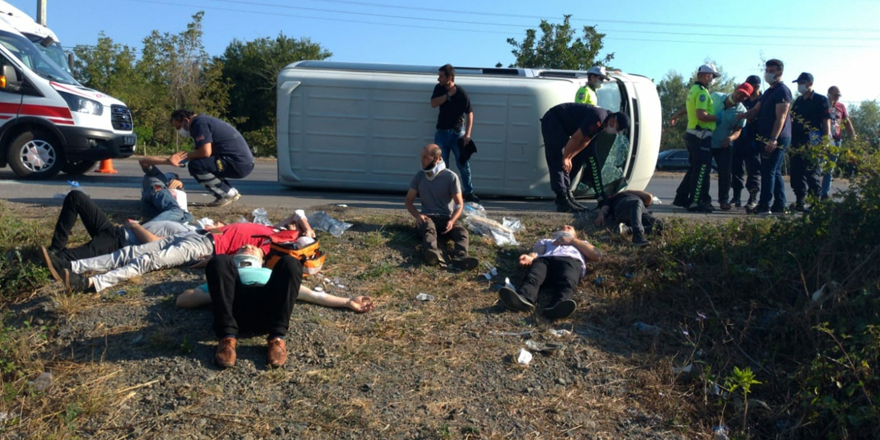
<point>587,93</point>
<point>693,192</point>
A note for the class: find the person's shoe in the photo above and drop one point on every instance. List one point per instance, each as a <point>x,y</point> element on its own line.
<point>465,263</point>
<point>759,210</point>
<point>571,199</point>
<point>471,198</point>
<point>725,206</point>
<point>564,204</point>
<point>799,206</point>
<point>222,201</point>
<point>433,257</point>
<point>561,309</point>
<point>737,203</point>
<point>752,203</point>
<point>76,283</point>
<point>681,202</point>
<point>655,229</point>
<point>779,209</point>
<point>277,353</point>
<point>696,207</point>
<point>639,240</point>
<point>55,265</point>
<point>225,355</point>
<point>514,301</point>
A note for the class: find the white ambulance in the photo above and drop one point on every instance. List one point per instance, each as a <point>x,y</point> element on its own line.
<point>48,121</point>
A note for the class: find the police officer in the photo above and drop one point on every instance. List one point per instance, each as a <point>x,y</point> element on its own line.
<point>693,192</point>
<point>810,125</point>
<point>587,93</point>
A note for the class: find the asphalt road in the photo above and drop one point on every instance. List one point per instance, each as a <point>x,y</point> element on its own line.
<point>261,189</point>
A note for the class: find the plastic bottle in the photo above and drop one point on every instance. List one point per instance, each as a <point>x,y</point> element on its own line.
<point>261,217</point>
<point>74,186</point>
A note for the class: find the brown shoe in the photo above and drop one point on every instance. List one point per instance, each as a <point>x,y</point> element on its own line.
<point>277,353</point>
<point>225,356</point>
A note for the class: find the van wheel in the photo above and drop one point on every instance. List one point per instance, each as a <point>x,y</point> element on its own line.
<point>35,155</point>
<point>79,167</point>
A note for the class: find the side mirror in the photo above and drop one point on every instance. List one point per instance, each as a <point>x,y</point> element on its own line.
<point>9,79</point>
<point>70,60</point>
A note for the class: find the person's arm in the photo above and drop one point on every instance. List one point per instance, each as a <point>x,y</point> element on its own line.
<point>193,298</point>
<point>437,101</point>
<point>704,116</point>
<point>601,216</point>
<point>459,207</point>
<point>174,160</point>
<point>144,236</point>
<point>360,304</point>
<point>737,131</point>
<point>781,114</point>
<point>584,247</point>
<point>575,145</point>
<point>850,129</point>
<point>299,220</point>
<point>674,119</point>
<point>201,152</point>
<point>750,114</point>
<point>411,207</point>
<point>527,259</point>
<point>469,125</point>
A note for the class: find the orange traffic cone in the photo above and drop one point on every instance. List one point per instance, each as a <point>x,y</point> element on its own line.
<point>106,167</point>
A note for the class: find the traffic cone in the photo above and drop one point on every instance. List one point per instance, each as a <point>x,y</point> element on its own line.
<point>106,167</point>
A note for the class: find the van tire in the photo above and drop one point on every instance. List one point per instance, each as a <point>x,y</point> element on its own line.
<point>35,155</point>
<point>79,167</point>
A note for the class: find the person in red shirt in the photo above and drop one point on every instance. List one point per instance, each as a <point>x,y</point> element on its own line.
<point>839,117</point>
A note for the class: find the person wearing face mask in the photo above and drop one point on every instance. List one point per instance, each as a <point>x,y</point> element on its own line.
<point>746,160</point>
<point>810,126</point>
<point>220,153</point>
<point>839,117</point>
<point>442,204</point>
<point>773,136</point>
<point>560,262</point>
<point>568,130</point>
<point>693,191</point>
<point>727,130</point>
<point>587,93</point>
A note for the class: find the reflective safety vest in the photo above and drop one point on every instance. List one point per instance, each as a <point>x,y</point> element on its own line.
<point>586,95</point>
<point>699,99</point>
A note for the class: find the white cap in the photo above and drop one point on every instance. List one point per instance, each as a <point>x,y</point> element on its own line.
<point>598,70</point>
<point>709,68</point>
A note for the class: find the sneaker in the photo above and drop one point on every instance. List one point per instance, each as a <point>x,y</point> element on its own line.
<point>759,210</point>
<point>561,309</point>
<point>514,301</point>
<point>471,198</point>
<point>56,265</point>
<point>465,263</point>
<point>564,204</point>
<point>76,283</point>
<point>225,355</point>
<point>277,353</point>
<point>223,201</point>
<point>751,204</point>
<point>433,257</point>
<point>779,209</point>
<point>639,240</point>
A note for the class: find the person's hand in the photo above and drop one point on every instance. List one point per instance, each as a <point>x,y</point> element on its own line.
<point>449,225</point>
<point>526,260</point>
<point>360,304</point>
<point>673,121</point>
<point>770,146</point>
<point>566,165</point>
<point>465,139</point>
<point>309,233</point>
<point>176,158</point>
<point>422,218</point>
<point>740,116</point>
<point>726,143</point>
<point>451,91</point>
<point>600,219</point>
<point>564,240</point>
<point>175,184</point>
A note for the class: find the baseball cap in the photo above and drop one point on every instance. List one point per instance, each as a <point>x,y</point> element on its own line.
<point>804,76</point>
<point>598,70</point>
<point>754,80</point>
<point>709,68</point>
<point>746,88</point>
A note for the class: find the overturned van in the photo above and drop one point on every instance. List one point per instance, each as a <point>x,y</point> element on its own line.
<point>362,126</point>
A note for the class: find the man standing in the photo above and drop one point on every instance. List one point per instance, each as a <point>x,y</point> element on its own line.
<point>839,116</point>
<point>746,160</point>
<point>693,192</point>
<point>773,136</point>
<point>442,204</point>
<point>587,93</point>
<point>455,113</point>
<point>727,130</point>
<point>811,123</point>
<point>221,153</point>
<point>568,129</point>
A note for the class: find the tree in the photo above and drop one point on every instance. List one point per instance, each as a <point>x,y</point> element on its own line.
<point>866,121</point>
<point>558,49</point>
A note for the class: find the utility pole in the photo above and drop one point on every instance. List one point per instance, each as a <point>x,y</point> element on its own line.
<point>41,11</point>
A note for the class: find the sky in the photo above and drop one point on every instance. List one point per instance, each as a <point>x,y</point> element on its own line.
<point>839,43</point>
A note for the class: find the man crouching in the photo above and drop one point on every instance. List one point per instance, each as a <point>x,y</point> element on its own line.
<point>442,203</point>
<point>562,263</point>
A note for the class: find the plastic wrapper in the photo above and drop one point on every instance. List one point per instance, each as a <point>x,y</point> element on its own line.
<point>502,233</point>
<point>321,221</point>
<point>261,217</point>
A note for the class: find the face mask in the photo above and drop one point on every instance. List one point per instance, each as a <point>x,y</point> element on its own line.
<point>712,81</point>
<point>247,260</point>
<point>770,78</point>
<point>802,89</point>
<point>611,130</point>
<point>183,132</point>
<point>432,172</point>
<point>561,234</point>
<point>598,85</point>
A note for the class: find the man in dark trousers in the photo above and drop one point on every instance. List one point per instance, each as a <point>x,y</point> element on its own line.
<point>631,209</point>
<point>221,153</point>
<point>746,160</point>
<point>454,125</point>
<point>810,126</point>
<point>568,130</point>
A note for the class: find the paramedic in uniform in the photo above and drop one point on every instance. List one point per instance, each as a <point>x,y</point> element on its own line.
<point>587,94</point>
<point>454,124</point>
<point>221,153</point>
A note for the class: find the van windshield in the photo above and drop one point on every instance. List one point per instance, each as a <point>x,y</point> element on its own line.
<point>34,58</point>
<point>54,52</point>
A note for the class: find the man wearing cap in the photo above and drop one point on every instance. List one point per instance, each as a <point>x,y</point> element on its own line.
<point>568,129</point>
<point>454,124</point>
<point>693,192</point>
<point>746,160</point>
<point>839,116</point>
<point>727,130</point>
<point>811,123</point>
<point>587,93</point>
<point>773,136</point>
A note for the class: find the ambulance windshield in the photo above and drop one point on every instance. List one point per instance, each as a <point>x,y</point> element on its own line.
<point>53,51</point>
<point>34,59</point>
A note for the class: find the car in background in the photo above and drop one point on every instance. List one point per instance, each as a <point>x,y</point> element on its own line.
<point>677,160</point>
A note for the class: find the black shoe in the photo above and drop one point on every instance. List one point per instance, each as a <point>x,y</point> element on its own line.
<point>655,229</point>
<point>561,309</point>
<point>799,206</point>
<point>55,265</point>
<point>697,207</point>
<point>681,202</point>
<point>759,209</point>
<point>573,201</point>
<point>471,198</point>
<point>76,283</point>
<point>778,209</point>
<point>465,263</point>
<point>563,204</point>
<point>639,240</point>
<point>514,301</point>
<point>433,257</point>
<point>737,203</point>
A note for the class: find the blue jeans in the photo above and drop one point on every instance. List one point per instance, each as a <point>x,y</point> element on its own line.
<point>773,186</point>
<point>157,202</point>
<point>448,141</point>
<point>827,170</point>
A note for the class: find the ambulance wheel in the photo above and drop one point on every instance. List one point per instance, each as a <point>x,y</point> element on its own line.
<point>79,167</point>
<point>35,155</point>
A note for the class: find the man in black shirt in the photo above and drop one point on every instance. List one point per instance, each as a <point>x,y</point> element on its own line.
<point>746,159</point>
<point>454,124</point>
<point>568,129</point>
<point>810,124</point>
<point>221,153</point>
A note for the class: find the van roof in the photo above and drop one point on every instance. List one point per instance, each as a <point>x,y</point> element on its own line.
<point>23,23</point>
<point>463,70</point>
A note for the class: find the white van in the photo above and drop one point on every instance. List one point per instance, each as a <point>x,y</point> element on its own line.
<point>362,126</point>
<point>48,121</point>
<point>42,37</point>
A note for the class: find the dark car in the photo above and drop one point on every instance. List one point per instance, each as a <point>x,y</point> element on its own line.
<point>676,160</point>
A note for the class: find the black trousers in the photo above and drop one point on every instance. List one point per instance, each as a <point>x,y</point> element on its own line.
<point>723,158</point>
<point>432,237</point>
<point>563,274</point>
<point>555,140</point>
<point>106,238</point>
<point>259,308</point>
<point>695,184</point>
<point>746,162</point>
<point>634,214</point>
<point>805,178</point>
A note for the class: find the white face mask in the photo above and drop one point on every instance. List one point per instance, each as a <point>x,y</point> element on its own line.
<point>712,81</point>
<point>183,132</point>
<point>598,85</point>
<point>247,260</point>
<point>435,170</point>
<point>561,234</point>
<point>770,78</point>
<point>802,89</point>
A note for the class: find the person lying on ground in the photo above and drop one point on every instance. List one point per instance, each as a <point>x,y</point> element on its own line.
<point>630,208</point>
<point>562,262</point>
<point>178,250</point>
